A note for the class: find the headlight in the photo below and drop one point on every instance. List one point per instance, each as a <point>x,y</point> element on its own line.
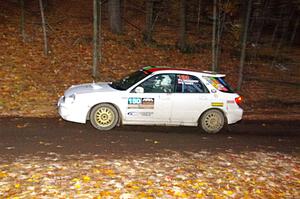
<point>70,99</point>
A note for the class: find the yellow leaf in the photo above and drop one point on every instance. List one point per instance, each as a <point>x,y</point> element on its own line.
<point>258,191</point>
<point>17,186</point>
<point>86,178</point>
<point>135,187</point>
<point>201,184</point>
<point>200,195</point>
<point>109,172</point>
<point>180,195</point>
<point>229,193</point>
<point>149,182</point>
<point>3,174</point>
<point>105,193</point>
<point>75,180</point>
<point>77,186</point>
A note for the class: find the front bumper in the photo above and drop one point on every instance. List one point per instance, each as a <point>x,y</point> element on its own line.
<point>71,111</point>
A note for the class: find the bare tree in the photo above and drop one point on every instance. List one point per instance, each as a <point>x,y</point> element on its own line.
<point>276,28</point>
<point>114,9</point>
<point>285,26</point>
<point>22,20</point>
<point>199,15</point>
<point>221,14</point>
<point>44,28</point>
<point>182,28</point>
<point>294,31</point>
<point>243,44</point>
<point>96,36</point>
<point>214,67</point>
<point>149,21</point>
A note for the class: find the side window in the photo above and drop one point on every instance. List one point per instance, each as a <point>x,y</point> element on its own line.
<point>162,83</point>
<point>189,84</point>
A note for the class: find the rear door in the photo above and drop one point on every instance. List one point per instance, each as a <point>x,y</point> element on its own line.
<point>189,100</point>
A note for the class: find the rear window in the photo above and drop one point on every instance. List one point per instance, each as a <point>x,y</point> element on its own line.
<point>220,84</point>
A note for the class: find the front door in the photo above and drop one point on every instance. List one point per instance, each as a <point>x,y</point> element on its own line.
<point>150,102</point>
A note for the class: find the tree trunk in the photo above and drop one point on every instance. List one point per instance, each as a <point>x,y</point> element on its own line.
<point>22,21</point>
<point>199,15</point>
<point>182,27</point>
<point>44,28</point>
<point>220,26</point>
<point>96,34</point>
<point>294,32</point>
<point>99,32</point>
<point>244,44</point>
<point>114,9</point>
<point>149,21</point>
<point>242,17</point>
<point>260,28</point>
<point>277,26</point>
<point>285,25</point>
<point>213,68</point>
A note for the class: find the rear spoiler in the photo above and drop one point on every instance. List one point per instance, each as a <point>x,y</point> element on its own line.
<point>212,74</point>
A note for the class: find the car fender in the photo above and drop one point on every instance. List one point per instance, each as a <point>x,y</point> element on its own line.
<point>215,108</point>
<point>113,104</point>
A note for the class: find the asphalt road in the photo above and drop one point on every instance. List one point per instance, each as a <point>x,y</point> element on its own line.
<point>23,136</point>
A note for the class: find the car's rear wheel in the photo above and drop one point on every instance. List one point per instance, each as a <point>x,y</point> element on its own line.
<point>212,121</point>
<point>104,117</point>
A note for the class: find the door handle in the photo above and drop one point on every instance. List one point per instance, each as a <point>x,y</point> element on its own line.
<point>164,97</point>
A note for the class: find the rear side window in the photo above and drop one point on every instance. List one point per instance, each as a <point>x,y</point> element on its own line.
<point>189,84</point>
<point>220,84</point>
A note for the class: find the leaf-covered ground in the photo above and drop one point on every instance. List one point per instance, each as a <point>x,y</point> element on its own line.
<point>30,83</point>
<point>165,175</point>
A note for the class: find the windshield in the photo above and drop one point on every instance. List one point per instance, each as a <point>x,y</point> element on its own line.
<point>130,80</point>
<point>220,84</point>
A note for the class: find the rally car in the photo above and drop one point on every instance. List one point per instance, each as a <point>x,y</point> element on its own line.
<point>154,96</point>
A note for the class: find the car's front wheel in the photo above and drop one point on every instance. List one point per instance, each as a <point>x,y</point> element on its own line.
<point>104,117</point>
<point>212,121</point>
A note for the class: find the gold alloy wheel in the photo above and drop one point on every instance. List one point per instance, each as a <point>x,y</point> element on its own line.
<point>213,121</point>
<point>104,116</point>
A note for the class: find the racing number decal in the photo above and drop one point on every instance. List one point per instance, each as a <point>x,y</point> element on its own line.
<point>134,100</point>
<point>140,103</point>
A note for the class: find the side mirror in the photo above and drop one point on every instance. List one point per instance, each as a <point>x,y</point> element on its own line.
<point>139,89</point>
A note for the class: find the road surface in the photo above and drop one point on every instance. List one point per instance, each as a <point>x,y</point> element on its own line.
<point>23,136</point>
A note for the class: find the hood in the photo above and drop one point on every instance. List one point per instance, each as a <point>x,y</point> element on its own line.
<point>88,88</point>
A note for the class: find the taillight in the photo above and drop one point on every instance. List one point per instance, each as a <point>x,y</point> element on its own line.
<point>238,100</point>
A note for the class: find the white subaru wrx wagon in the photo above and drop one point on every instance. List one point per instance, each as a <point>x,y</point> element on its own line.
<point>154,96</point>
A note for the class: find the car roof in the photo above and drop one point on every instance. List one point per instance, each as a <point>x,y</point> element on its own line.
<point>154,69</point>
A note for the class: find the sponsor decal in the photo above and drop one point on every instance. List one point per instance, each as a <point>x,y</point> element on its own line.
<point>216,83</point>
<point>230,101</point>
<point>140,103</point>
<point>183,77</point>
<point>190,82</point>
<point>146,114</point>
<point>218,104</point>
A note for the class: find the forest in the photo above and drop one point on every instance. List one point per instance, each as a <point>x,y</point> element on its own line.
<point>48,45</point>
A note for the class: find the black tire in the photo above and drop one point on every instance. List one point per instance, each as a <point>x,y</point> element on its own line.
<point>104,117</point>
<point>212,121</point>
